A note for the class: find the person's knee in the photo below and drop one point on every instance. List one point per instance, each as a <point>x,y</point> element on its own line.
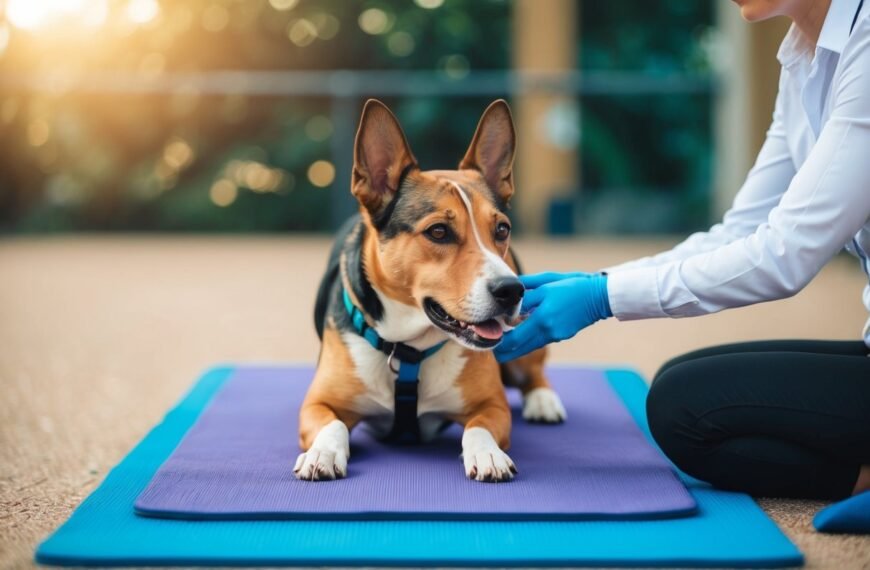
<point>671,418</point>
<point>668,365</point>
<point>703,353</point>
<point>680,360</point>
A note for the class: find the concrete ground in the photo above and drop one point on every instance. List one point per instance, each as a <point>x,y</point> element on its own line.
<point>99,336</point>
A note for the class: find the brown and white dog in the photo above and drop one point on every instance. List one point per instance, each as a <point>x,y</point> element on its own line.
<point>426,260</point>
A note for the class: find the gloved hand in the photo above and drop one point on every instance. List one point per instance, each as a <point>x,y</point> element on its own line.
<point>561,305</point>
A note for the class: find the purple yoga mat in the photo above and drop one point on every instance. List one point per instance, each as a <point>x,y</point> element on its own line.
<point>237,462</point>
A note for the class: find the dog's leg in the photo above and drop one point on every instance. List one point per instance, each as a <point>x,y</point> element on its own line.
<point>326,416</point>
<point>486,436</point>
<point>540,402</point>
<point>326,441</point>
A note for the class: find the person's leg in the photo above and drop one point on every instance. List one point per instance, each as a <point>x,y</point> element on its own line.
<point>767,423</point>
<point>842,347</point>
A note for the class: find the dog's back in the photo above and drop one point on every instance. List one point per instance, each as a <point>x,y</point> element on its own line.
<point>332,277</point>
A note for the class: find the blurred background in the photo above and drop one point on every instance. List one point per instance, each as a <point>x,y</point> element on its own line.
<point>239,115</point>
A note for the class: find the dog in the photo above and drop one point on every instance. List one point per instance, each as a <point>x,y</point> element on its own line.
<point>420,285</point>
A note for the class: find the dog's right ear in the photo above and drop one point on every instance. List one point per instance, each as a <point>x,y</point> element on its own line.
<point>381,157</point>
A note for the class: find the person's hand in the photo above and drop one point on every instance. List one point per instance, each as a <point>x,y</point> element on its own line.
<point>561,305</point>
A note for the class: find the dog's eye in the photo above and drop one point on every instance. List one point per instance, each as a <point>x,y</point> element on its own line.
<point>439,233</point>
<point>502,231</point>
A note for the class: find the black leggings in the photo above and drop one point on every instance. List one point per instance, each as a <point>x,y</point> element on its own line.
<point>784,418</point>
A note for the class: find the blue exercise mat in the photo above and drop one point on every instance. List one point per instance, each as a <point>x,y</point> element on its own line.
<point>730,529</point>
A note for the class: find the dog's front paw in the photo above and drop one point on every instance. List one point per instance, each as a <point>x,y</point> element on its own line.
<point>320,464</point>
<point>543,405</point>
<point>327,457</point>
<point>483,459</point>
<point>491,466</point>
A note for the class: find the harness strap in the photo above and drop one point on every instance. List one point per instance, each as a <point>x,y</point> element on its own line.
<point>406,428</point>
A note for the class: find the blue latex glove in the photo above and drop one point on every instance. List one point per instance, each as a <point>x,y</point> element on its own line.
<point>561,305</point>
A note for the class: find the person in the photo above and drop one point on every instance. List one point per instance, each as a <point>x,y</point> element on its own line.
<point>778,418</point>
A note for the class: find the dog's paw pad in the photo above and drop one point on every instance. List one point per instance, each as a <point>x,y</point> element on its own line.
<point>543,405</point>
<point>320,465</point>
<point>489,465</point>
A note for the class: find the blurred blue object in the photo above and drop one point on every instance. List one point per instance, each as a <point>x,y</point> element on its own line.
<point>851,515</point>
<point>560,219</point>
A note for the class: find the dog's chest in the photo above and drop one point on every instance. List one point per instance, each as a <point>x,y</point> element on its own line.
<point>439,394</point>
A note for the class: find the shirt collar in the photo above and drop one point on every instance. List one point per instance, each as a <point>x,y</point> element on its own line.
<point>833,36</point>
<point>835,30</point>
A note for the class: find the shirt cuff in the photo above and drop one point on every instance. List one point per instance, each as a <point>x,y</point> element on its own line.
<point>634,294</point>
<point>634,264</point>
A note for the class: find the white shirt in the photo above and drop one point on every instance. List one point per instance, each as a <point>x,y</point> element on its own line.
<point>806,198</point>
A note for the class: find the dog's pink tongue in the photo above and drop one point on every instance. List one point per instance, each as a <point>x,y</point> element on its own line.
<point>489,329</point>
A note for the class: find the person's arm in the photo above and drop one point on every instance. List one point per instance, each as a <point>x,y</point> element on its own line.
<point>760,193</point>
<point>826,203</point>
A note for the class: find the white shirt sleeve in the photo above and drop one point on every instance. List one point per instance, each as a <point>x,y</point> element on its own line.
<point>826,203</point>
<point>760,193</point>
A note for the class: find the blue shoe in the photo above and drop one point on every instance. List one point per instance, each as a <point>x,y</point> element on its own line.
<point>851,515</point>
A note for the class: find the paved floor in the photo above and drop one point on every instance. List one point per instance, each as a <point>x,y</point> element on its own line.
<point>100,335</point>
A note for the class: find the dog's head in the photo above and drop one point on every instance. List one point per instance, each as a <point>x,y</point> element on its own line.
<point>442,235</point>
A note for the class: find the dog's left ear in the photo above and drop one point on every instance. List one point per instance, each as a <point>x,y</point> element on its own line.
<point>492,149</point>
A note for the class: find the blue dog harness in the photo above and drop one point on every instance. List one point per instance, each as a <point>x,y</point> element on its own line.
<point>405,428</point>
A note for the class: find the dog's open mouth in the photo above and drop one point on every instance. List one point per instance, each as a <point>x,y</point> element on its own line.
<point>485,334</point>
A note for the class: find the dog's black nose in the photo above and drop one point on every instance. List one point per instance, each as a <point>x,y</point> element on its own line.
<point>507,291</point>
